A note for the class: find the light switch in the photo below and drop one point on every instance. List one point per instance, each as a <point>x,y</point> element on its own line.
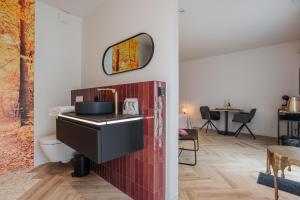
<point>79,99</point>
<point>161,91</point>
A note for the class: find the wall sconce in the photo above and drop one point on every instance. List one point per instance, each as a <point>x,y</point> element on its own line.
<point>184,110</point>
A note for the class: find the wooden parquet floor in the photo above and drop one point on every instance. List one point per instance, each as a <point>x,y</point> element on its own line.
<point>227,169</point>
<point>53,181</point>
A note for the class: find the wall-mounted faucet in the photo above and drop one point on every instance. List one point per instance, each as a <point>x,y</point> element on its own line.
<point>114,91</point>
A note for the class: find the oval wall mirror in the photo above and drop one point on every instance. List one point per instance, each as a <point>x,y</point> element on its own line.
<point>131,54</point>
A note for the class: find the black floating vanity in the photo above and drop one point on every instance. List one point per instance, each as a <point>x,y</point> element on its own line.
<point>101,137</point>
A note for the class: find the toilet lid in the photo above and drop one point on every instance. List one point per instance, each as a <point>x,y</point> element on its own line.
<point>49,139</point>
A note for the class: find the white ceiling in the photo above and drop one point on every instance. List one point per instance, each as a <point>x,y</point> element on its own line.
<point>76,7</point>
<point>214,27</point>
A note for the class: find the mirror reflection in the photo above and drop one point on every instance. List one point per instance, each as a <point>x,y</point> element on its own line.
<point>131,54</point>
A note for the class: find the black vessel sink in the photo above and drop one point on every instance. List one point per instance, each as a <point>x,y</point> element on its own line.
<point>94,108</point>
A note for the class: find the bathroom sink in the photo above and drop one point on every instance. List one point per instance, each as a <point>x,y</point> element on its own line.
<point>94,108</point>
<point>98,142</point>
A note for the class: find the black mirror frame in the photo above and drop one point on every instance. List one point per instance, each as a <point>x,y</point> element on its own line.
<point>152,53</point>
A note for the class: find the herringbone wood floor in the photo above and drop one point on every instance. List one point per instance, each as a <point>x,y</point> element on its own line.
<point>53,181</point>
<point>227,169</point>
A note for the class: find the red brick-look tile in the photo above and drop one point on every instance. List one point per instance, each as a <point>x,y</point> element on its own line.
<point>141,175</point>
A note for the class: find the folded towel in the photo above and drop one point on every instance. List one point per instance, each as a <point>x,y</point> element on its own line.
<point>54,112</point>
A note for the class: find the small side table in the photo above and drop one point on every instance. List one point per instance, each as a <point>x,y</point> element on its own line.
<point>279,158</point>
<point>185,121</point>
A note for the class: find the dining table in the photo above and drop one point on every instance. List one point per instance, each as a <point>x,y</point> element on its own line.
<point>227,111</point>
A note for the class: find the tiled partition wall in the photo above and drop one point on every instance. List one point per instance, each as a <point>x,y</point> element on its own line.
<point>141,175</point>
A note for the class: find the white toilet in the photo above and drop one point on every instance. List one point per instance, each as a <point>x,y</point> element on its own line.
<point>55,150</point>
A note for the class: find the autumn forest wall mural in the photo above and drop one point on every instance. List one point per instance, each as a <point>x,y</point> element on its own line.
<point>17,19</point>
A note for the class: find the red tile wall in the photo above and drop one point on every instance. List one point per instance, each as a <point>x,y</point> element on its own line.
<point>141,175</point>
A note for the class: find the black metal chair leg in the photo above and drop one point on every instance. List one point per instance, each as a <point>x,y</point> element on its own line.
<point>195,155</point>
<point>198,146</point>
<point>239,130</point>
<point>203,125</point>
<point>208,125</point>
<point>250,132</point>
<point>215,127</point>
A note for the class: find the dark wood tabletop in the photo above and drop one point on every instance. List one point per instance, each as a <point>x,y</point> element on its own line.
<point>227,109</point>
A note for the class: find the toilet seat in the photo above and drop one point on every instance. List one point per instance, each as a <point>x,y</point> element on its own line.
<point>54,150</point>
<point>49,140</point>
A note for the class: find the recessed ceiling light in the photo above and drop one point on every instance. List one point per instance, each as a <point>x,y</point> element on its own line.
<point>181,10</point>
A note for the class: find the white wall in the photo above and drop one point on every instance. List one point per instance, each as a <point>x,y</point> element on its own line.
<point>57,66</point>
<point>250,79</point>
<point>116,20</point>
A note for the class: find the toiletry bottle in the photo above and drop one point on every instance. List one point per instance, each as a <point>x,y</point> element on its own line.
<point>225,104</point>
<point>229,104</point>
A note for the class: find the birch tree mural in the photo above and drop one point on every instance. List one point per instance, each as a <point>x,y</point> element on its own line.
<point>17,18</point>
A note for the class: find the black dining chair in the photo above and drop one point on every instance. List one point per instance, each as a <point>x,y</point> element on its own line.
<point>192,136</point>
<point>210,116</point>
<point>244,118</point>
